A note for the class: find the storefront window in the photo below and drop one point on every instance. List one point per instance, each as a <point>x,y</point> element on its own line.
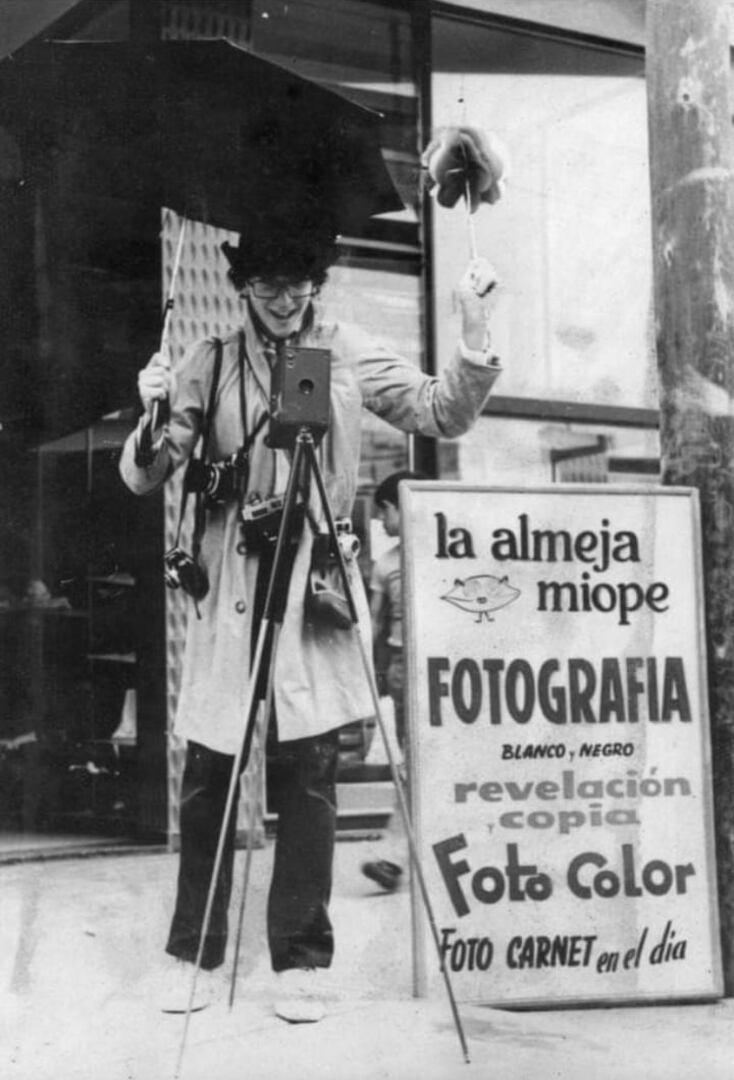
<point>503,450</point>
<point>571,236</point>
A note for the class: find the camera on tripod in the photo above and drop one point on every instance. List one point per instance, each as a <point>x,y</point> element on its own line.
<point>299,395</point>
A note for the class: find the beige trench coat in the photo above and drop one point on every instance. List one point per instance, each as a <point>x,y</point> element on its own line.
<point>319,681</point>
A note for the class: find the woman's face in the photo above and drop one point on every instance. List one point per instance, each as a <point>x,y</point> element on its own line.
<point>279,303</point>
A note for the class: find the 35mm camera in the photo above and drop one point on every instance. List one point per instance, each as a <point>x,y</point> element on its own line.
<point>218,481</point>
<point>181,571</point>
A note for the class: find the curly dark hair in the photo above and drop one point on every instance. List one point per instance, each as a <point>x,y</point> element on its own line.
<point>270,248</point>
<point>387,491</point>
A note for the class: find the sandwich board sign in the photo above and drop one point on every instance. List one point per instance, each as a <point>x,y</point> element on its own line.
<point>559,749</point>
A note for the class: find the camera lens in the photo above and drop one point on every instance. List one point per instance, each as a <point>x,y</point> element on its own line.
<point>171,579</point>
<point>197,475</point>
<point>349,545</point>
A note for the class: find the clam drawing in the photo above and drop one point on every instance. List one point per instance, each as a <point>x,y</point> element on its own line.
<point>481,595</point>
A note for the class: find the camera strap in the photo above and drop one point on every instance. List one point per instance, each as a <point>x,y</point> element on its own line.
<point>247,439</point>
<point>205,432</point>
<point>199,515</point>
<point>241,354</point>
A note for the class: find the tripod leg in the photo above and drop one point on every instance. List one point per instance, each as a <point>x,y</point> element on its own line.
<point>229,804</point>
<point>413,849</point>
<point>241,915</point>
<point>402,802</point>
<point>250,822</point>
<point>274,608</point>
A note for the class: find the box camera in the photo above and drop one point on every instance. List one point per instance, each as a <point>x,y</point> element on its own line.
<point>299,395</point>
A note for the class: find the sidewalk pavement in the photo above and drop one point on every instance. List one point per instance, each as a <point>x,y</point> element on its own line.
<point>78,937</point>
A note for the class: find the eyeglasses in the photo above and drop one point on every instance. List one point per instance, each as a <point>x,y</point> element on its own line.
<point>269,290</point>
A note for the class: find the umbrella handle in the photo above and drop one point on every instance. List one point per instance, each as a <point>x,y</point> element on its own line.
<point>161,408</point>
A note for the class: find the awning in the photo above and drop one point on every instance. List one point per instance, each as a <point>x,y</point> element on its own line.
<point>21,20</point>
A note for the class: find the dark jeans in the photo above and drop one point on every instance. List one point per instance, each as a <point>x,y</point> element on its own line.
<point>396,689</point>
<point>302,790</point>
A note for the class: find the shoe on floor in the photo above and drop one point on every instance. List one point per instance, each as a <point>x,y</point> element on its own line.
<point>386,874</point>
<point>172,987</point>
<point>298,999</point>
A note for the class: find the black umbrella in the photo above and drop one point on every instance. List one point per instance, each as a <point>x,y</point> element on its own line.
<point>204,127</point>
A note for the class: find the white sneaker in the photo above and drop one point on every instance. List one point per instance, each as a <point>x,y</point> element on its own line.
<point>298,999</point>
<point>172,987</point>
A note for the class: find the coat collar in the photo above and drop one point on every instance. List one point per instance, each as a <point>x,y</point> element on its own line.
<point>256,357</point>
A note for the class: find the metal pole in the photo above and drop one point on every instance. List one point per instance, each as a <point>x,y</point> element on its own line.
<point>228,810</point>
<point>257,764</point>
<point>692,182</point>
<point>413,849</point>
<point>160,408</point>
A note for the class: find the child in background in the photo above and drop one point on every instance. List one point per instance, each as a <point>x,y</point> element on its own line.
<point>386,609</point>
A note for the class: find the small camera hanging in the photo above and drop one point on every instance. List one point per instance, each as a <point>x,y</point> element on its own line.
<point>466,162</point>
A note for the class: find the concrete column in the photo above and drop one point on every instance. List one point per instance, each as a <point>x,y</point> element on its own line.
<point>691,160</point>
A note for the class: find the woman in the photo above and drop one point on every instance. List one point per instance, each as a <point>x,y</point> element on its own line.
<point>319,685</point>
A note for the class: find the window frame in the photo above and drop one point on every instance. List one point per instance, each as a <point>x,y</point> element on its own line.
<point>499,404</point>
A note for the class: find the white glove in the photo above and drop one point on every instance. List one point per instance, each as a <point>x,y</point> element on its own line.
<point>476,286</point>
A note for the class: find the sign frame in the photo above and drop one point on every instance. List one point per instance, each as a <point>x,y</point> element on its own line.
<point>413,523</point>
